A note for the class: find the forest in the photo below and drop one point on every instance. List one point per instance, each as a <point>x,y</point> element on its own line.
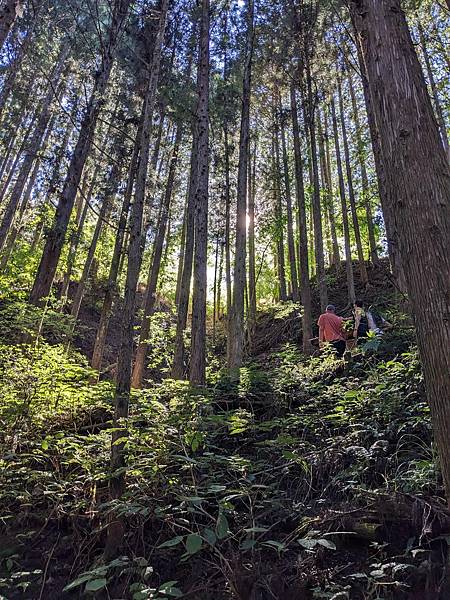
<point>225,299</point>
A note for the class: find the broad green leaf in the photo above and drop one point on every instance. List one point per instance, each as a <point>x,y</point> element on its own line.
<point>222,527</point>
<point>193,543</point>
<point>307,543</point>
<point>327,544</point>
<point>210,536</point>
<point>173,542</point>
<point>95,584</point>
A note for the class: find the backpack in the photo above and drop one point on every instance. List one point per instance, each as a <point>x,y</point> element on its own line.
<point>377,318</point>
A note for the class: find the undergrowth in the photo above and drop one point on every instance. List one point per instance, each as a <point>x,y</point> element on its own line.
<point>307,479</point>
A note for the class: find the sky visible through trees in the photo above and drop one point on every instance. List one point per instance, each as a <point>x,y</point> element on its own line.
<point>173,170</point>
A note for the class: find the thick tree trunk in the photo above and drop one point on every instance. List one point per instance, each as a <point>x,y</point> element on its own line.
<point>305,287</point>
<point>197,373</point>
<point>351,191</point>
<point>8,14</point>
<point>364,178</point>
<point>227,196</point>
<point>345,223</point>
<point>289,213</point>
<point>418,184</point>
<point>236,331</point>
<point>56,236</point>
<point>391,233</point>
<point>135,248</point>
<point>152,281</point>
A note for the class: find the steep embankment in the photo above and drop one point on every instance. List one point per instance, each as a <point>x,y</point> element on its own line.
<point>306,480</point>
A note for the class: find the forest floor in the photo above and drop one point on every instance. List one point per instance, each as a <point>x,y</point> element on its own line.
<point>309,479</point>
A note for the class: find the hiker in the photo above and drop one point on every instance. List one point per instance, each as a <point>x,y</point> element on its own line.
<point>331,330</point>
<point>377,323</point>
<point>361,323</point>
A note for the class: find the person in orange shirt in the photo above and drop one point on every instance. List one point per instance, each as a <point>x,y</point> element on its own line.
<point>331,330</point>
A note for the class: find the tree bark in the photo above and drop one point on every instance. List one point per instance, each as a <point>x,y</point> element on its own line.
<point>197,373</point>
<point>305,287</point>
<point>135,248</point>
<point>418,184</point>
<point>434,91</point>
<point>324,153</point>
<point>111,287</point>
<point>345,223</point>
<point>364,178</point>
<point>351,191</point>
<point>278,204</point>
<point>251,251</point>
<point>289,213</point>
<point>33,146</point>
<point>8,14</point>
<point>152,282</point>
<point>391,233</point>
<point>56,236</point>
<point>236,332</point>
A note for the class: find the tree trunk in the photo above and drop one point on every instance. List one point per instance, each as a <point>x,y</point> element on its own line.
<point>391,233</point>
<point>251,251</point>
<point>111,287</point>
<point>33,146</point>
<point>289,214</point>
<point>15,227</point>
<point>227,222</point>
<point>104,213</point>
<point>418,184</point>
<point>8,14</point>
<point>236,332</point>
<point>278,202</point>
<point>305,287</point>
<point>197,374</point>
<point>316,208</point>
<point>56,236</point>
<point>434,91</point>
<point>345,223</point>
<point>351,191</point>
<point>364,179</point>
<point>77,233</point>
<point>152,282</point>
<point>135,248</point>
<point>324,152</point>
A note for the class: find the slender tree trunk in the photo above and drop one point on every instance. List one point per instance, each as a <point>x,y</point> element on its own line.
<point>33,147</point>
<point>56,236</point>
<point>278,203</point>
<point>316,208</point>
<point>197,374</point>
<point>364,179</point>
<point>434,91</point>
<point>236,333</point>
<point>152,282</point>
<point>324,152</point>
<point>227,222</point>
<point>135,248</point>
<point>185,286</point>
<point>289,214</point>
<point>111,287</point>
<point>305,287</point>
<point>351,191</point>
<point>77,234</point>
<point>15,227</point>
<point>251,251</point>
<point>8,14</point>
<point>345,223</point>
<point>104,213</point>
<point>418,184</point>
